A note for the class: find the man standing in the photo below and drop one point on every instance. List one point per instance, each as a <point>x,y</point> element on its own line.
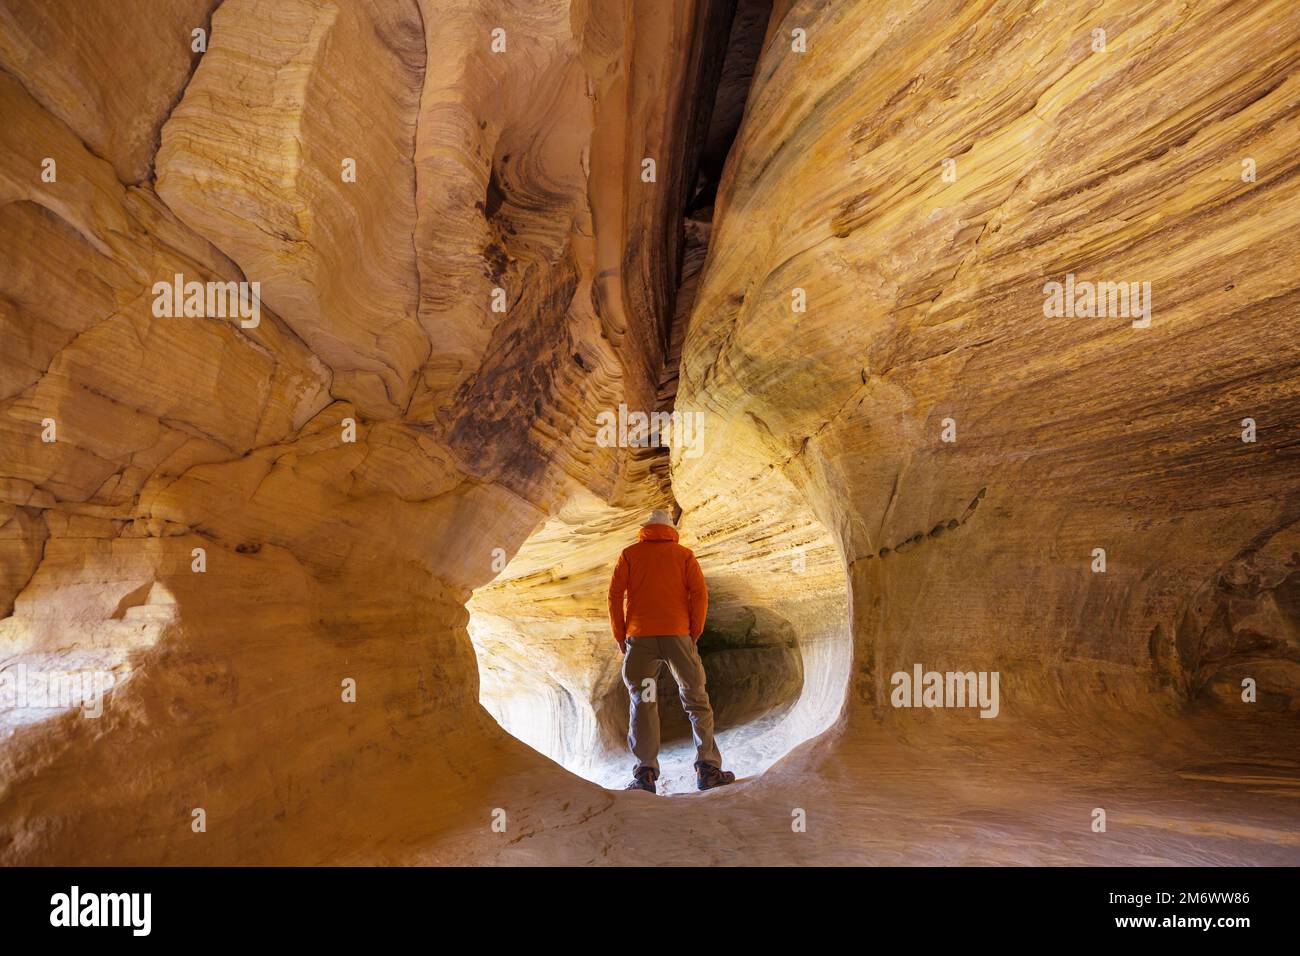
<point>666,605</point>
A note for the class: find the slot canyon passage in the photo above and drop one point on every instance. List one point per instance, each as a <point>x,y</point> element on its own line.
<point>391,478</point>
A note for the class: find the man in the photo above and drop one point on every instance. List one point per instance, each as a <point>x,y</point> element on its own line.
<point>666,605</point>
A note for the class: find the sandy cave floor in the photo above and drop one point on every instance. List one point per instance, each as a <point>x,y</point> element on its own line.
<point>1204,796</point>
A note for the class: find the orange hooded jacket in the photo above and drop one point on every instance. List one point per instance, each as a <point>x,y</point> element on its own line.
<point>664,586</point>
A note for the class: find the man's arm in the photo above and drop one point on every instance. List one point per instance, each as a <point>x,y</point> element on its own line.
<point>697,597</point>
<point>618,588</point>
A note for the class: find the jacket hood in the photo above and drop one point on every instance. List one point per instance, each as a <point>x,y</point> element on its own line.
<point>657,532</point>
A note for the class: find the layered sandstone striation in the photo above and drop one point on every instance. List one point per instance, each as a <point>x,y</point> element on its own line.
<point>304,549</point>
<point>925,320</point>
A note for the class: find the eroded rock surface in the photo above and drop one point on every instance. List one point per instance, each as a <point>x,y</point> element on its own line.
<point>926,314</point>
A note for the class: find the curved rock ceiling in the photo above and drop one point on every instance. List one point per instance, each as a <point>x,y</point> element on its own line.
<point>390,482</point>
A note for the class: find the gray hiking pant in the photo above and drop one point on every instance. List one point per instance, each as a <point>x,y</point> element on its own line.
<point>642,665</point>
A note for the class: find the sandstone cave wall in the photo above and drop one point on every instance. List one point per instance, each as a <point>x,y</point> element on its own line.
<point>325,559</point>
<point>925,303</point>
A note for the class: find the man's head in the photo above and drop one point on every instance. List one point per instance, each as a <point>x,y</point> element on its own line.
<point>659,516</point>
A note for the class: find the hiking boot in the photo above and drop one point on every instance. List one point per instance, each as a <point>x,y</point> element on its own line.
<point>708,776</point>
<point>643,778</point>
